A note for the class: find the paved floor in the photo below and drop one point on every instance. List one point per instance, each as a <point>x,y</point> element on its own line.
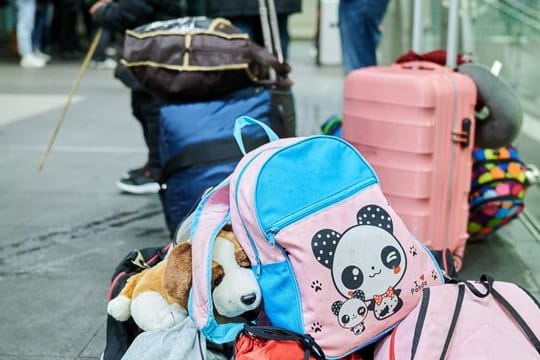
<point>63,230</point>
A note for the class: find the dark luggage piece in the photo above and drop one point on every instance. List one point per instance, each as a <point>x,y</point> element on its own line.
<point>120,334</point>
<point>198,149</point>
<point>193,59</point>
<point>197,146</point>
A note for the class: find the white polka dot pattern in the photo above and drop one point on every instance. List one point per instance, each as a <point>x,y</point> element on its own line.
<point>375,216</point>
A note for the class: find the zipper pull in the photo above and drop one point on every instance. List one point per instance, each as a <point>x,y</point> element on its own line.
<point>259,267</point>
<point>271,235</point>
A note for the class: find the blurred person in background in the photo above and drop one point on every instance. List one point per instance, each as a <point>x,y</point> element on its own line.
<point>118,17</point>
<point>42,24</point>
<point>26,14</point>
<point>244,14</point>
<point>64,28</point>
<point>359,26</point>
<point>100,59</point>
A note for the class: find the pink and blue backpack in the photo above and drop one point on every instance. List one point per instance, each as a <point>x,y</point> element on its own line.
<point>331,256</point>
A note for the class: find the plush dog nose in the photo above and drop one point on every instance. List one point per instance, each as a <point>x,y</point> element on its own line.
<point>249,298</point>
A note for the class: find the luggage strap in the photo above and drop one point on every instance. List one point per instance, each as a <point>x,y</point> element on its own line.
<point>206,153</point>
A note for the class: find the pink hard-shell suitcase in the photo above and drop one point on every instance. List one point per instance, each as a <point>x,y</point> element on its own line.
<point>414,123</point>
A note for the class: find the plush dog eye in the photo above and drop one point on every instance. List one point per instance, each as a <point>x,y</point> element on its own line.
<point>217,280</point>
<point>345,319</point>
<point>352,277</point>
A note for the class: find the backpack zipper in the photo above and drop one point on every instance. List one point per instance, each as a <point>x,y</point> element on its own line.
<point>242,172</point>
<point>313,208</point>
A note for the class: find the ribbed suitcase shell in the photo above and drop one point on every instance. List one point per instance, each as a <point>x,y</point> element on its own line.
<point>402,119</point>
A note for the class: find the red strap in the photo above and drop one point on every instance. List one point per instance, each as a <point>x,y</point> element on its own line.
<point>113,284</point>
<point>437,56</point>
<point>392,344</point>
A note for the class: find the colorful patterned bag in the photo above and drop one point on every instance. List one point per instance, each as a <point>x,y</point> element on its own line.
<point>498,187</point>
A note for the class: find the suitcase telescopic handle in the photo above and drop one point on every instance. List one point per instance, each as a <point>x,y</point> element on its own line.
<point>270,30</point>
<point>451,39</point>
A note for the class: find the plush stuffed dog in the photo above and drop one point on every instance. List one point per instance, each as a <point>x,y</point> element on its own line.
<point>235,291</point>
<point>157,297</point>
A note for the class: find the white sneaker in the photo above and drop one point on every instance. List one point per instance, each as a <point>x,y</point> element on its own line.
<point>106,64</point>
<point>42,55</point>
<point>32,61</point>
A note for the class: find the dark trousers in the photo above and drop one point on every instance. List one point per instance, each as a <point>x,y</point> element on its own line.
<point>252,26</point>
<point>146,109</point>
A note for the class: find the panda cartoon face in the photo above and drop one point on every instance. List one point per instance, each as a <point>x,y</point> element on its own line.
<point>351,313</point>
<point>365,257</point>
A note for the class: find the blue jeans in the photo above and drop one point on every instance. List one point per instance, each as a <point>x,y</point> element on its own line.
<point>43,18</point>
<point>359,22</point>
<point>105,40</point>
<point>26,11</point>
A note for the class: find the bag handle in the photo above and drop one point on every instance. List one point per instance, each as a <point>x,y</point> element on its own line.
<point>211,215</point>
<point>440,337</point>
<point>451,40</point>
<point>244,121</point>
<point>487,282</point>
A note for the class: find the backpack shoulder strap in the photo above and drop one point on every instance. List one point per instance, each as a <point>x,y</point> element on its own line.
<point>211,215</point>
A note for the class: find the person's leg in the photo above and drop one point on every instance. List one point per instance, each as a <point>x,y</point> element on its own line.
<point>47,30</point>
<point>38,34</point>
<point>26,10</point>
<point>359,22</point>
<point>283,27</point>
<point>99,54</point>
<point>146,109</point>
<point>67,26</point>
<point>39,24</point>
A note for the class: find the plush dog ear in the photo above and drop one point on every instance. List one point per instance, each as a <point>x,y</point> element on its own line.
<point>177,277</point>
<point>239,253</point>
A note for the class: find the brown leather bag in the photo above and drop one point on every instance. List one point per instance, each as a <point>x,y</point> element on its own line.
<point>193,59</point>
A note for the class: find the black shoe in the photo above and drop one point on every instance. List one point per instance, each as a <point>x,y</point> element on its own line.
<point>138,181</point>
<point>135,172</point>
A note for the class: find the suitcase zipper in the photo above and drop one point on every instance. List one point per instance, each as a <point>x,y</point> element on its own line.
<point>453,151</point>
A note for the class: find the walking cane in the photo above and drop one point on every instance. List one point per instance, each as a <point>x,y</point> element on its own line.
<point>74,87</point>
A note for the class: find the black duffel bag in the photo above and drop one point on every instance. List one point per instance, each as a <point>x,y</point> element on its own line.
<point>197,58</point>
